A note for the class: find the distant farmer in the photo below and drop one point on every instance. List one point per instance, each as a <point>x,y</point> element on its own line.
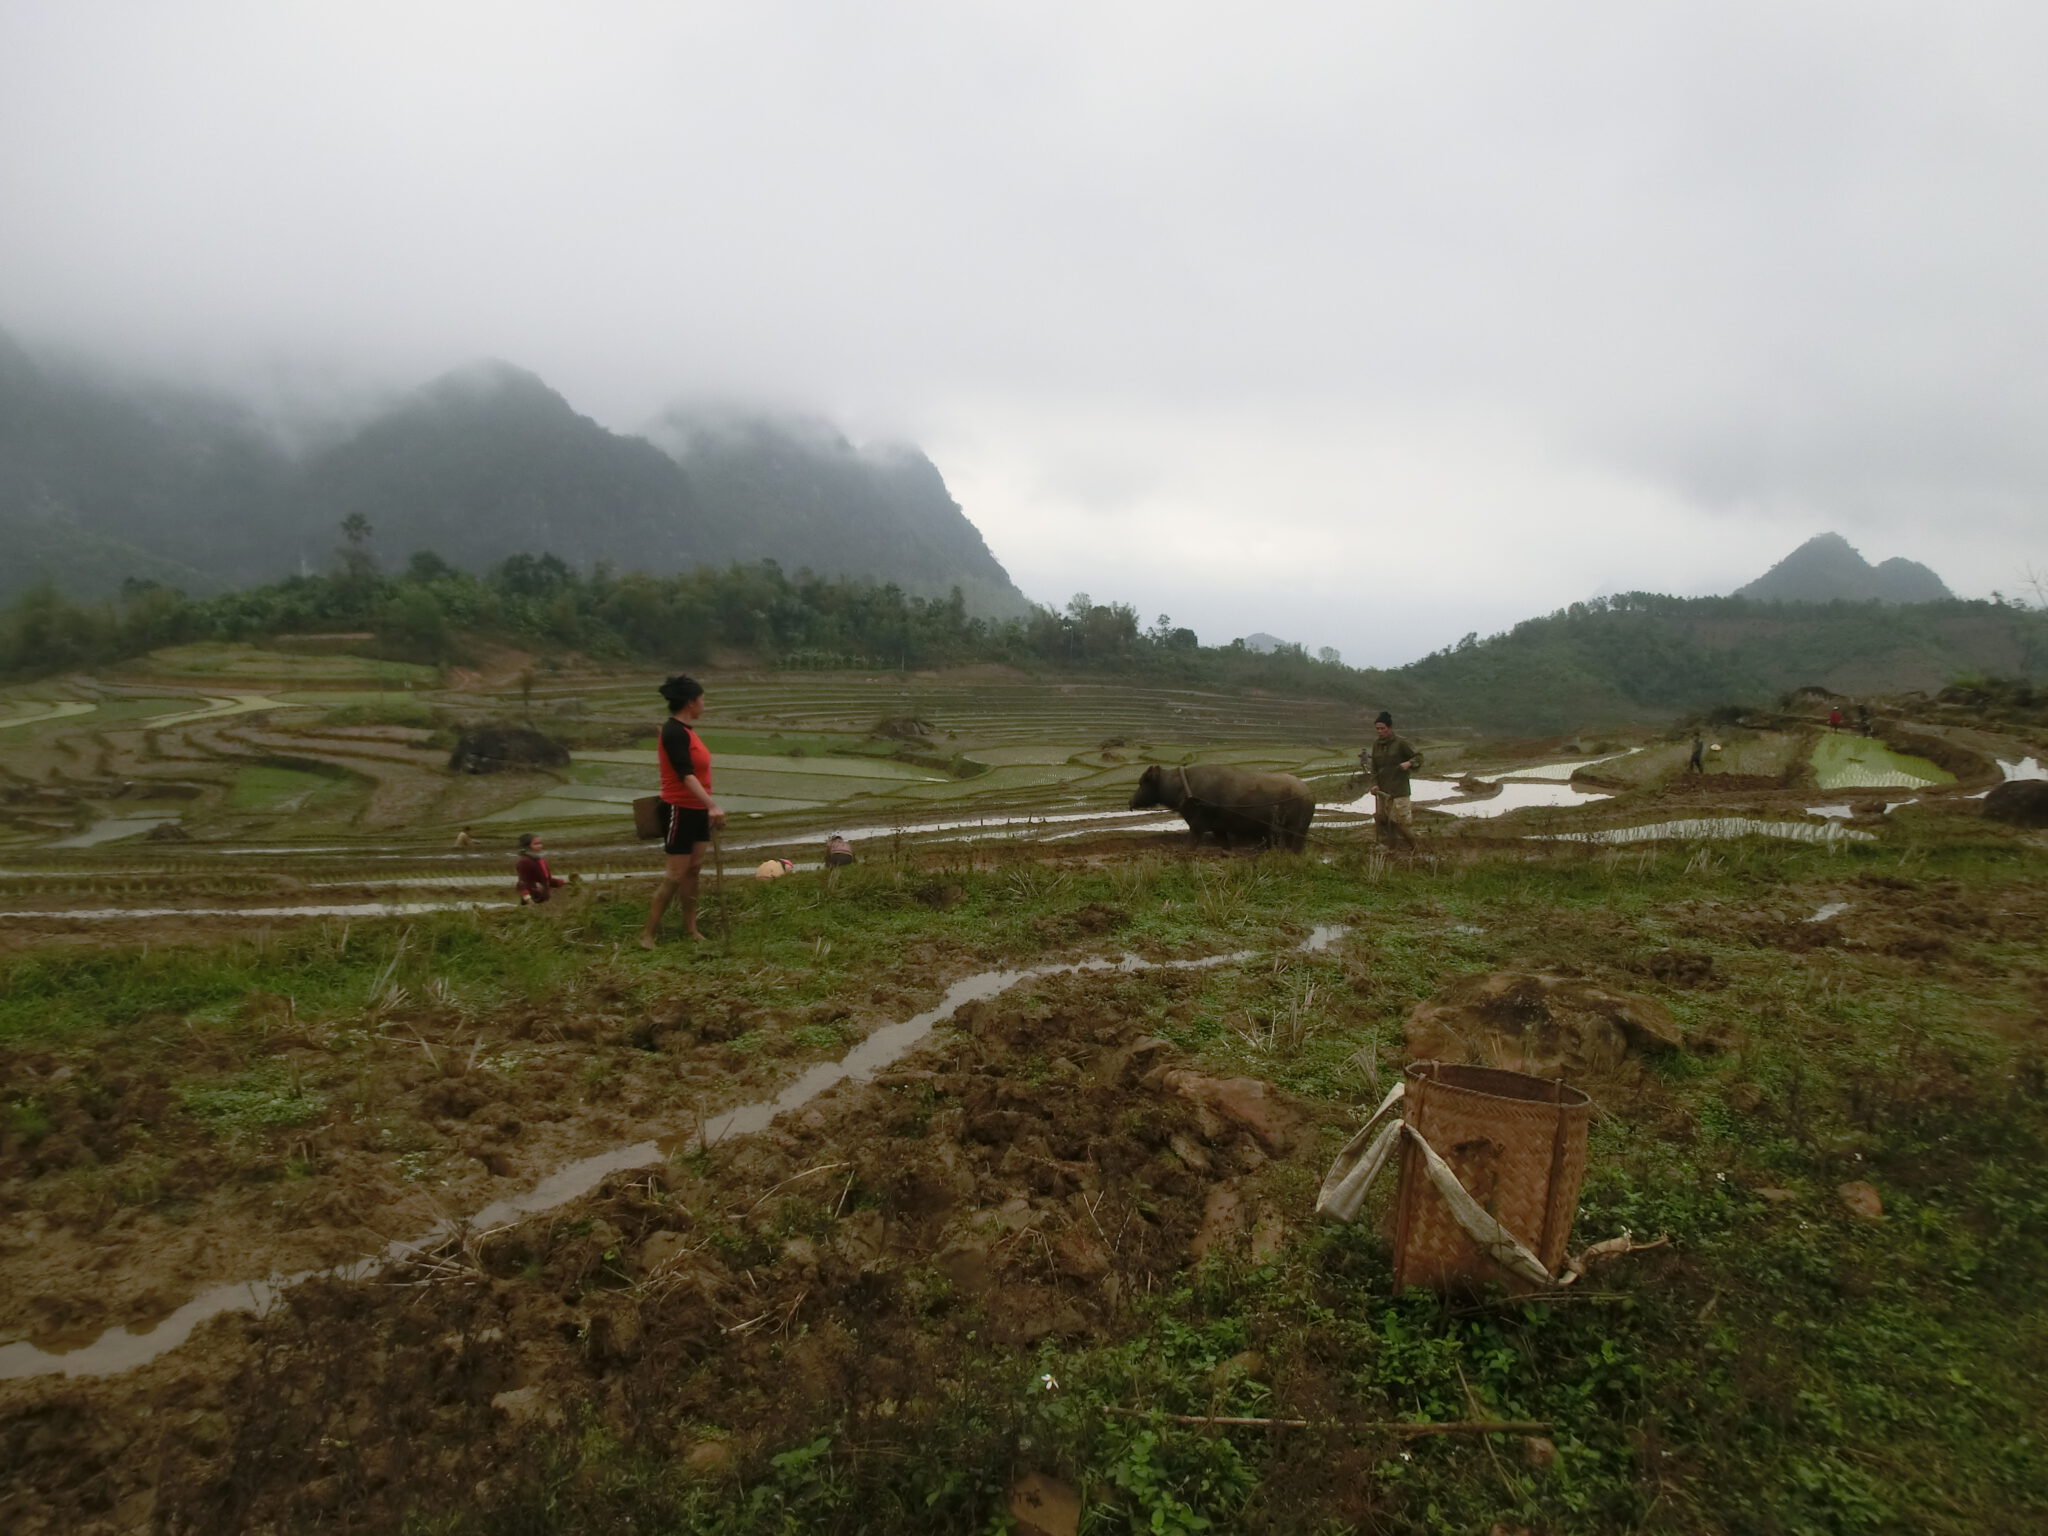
<point>838,852</point>
<point>773,869</point>
<point>536,882</point>
<point>1835,718</point>
<point>464,840</point>
<point>1863,718</point>
<point>689,813</point>
<point>1697,763</point>
<point>1389,760</point>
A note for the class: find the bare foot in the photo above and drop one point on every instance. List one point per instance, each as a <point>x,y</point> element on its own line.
<point>697,936</point>
<point>647,941</point>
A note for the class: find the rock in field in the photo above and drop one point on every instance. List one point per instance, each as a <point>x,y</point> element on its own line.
<point>2020,803</point>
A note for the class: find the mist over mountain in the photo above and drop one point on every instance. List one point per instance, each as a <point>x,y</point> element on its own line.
<point>1828,568</point>
<point>105,478</point>
<point>488,461</point>
<point>882,512</point>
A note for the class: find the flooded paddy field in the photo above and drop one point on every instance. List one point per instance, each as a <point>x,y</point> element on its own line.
<point>337,1192</point>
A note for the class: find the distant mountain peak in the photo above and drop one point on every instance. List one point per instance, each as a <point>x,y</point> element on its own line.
<point>1828,568</point>
<point>489,381</point>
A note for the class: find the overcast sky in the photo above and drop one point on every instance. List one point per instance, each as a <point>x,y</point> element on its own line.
<point>1364,324</point>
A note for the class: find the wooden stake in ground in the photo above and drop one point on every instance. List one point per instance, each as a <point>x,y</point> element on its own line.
<point>718,874</point>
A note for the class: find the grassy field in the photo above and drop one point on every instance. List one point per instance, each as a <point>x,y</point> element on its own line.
<point>883,1313</point>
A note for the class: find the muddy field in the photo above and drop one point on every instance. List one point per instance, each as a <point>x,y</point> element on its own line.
<point>990,1278</point>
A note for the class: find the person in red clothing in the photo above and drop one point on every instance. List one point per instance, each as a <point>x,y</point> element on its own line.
<point>687,805</point>
<point>535,882</point>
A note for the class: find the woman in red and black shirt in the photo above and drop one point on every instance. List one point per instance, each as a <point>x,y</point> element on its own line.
<point>686,804</point>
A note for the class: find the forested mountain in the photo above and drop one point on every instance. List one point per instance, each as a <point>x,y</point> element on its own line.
<point>103,479</point>
<point>1640,656</point>
<point>1828,568</point>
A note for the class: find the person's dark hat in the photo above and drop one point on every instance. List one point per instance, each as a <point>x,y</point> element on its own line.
<point>1383,718</point>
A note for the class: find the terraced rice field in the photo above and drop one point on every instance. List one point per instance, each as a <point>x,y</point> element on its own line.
<point>1842,761</point>
<point>291,787</point>
<point>36,714</point>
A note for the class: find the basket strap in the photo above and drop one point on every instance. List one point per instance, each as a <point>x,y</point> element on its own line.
<point>1351,1175</point>
<point>1479,1224</point>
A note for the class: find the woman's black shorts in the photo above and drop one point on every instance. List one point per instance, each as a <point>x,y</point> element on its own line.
<point>687,827</point>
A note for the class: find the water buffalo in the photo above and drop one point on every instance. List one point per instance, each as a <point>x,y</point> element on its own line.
<point>1231,804</point>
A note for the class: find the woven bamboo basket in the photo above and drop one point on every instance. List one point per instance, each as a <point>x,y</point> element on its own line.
<point>1518,1145</point>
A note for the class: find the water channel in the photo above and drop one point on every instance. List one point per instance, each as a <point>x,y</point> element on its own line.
<point>124,1348</point>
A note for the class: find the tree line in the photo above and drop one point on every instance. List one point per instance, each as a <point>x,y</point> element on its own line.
<point>430,612</point>
<point>1636,656</point>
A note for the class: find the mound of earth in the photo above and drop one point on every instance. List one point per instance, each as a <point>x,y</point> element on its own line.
<point>1697,785</point>
<point>1535,1022</point>
<point>2020,803</point>
<point>904,728</point>
<point>495,748</point>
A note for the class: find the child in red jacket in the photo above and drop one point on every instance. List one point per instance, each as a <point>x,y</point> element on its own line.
<point>535,882</point>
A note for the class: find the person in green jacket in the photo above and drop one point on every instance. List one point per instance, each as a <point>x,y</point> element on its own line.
<point>1390,759</point>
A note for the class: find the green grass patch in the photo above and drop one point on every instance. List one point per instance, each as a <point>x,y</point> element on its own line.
<point>263,1099</point>
<point>263,787</point>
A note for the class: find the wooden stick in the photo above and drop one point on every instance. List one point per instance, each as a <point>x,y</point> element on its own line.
<point>1388,1426</point>
<point>724,912</point>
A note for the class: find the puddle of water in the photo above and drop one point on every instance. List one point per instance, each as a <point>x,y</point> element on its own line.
<point>993,825</point>
<point>324,909</point>
<point>1437,795</point>
<point>1827,910</point>
<point>444,882</point>
<point>1558,771</point>
<point>122,1349</point>
<point>113,829</point>
<point>1720,826</point>
<point>2025,768</point>
<point>1148,824</point>
<point>1522,797</point>
<point>1844,811</point>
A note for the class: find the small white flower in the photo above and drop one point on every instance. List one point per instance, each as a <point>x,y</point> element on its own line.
<point>1048,1383</point>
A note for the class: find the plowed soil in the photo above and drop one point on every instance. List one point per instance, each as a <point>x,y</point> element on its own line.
<point>1016,1182</point>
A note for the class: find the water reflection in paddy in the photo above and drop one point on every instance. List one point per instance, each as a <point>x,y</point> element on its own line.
<point>1434,795</point>
<point>1700,828</point>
